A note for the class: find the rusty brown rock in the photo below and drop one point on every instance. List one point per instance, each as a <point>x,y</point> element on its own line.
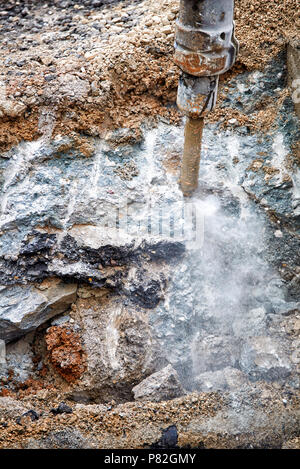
<point>65,352</point>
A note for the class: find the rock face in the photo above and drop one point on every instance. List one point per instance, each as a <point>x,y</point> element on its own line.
<point>117,295</point>
<point>214,352</point>
<point>293,61</point>
<point>161,386</point>
<point>226,379</point>
<point>120,350</point>
<point>2,352</point>
<point>19,360</point>
<point>263,358</point>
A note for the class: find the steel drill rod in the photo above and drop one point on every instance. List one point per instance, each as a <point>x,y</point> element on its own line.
<point>191,155</point>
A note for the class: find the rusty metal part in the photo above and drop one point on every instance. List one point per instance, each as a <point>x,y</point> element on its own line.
<point>191,155</point>
<point>196,96</point>
<point>205,47</point>
<point>205,44</point>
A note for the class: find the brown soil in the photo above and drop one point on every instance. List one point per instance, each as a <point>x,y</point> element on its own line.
<point>131,78</point>
<point>263,28</point>
<point>138,425</point>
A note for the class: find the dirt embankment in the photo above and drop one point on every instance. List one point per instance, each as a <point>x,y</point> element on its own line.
<point>89,69</point>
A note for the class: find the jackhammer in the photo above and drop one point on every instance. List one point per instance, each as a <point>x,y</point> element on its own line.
<point>205,47</point>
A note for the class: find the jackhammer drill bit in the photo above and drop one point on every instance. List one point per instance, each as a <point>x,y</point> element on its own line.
<point>205,47</point>
<point>191,155</point>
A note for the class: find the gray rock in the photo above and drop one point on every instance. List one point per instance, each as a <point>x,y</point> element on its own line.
<point>221,380</point>
<point>65,439</point>
<point>2,352</point>
<point>11,408</point>
<point>23,309</point>
<point>252,322</point>
<point>293,61</point>
<point>163,385</point>
<point>59,321</point>
<point>214,352</point>
<point>19,358</point>
<point>264,358</point>
<point>120,350</point>
<point>97,237</point>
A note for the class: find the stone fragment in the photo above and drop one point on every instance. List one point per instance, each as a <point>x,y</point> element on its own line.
<point>167,29</point>
<point>31,414</point>
<point>12,108</point>
<point>163,385</point>
<point>23,309</point>
<point>9,107</point>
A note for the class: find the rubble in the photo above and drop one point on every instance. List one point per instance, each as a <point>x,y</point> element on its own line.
<point>109,65</point>
<point>160,386</point>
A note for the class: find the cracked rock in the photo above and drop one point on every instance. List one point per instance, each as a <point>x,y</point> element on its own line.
<point>263,358</point>
<point>23,309</point>
<point>120,350</point>
<point>228,378</point>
